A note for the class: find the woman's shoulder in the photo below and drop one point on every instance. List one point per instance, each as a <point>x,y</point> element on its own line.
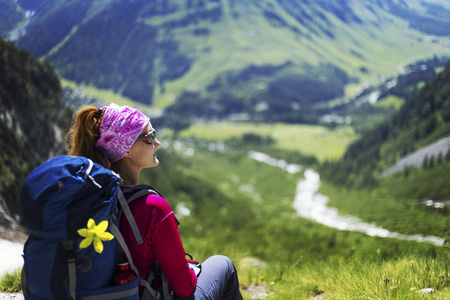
<point>157,201</point>
<point>148,197</point>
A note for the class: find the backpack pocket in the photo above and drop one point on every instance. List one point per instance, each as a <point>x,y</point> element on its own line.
<point>128,291</point>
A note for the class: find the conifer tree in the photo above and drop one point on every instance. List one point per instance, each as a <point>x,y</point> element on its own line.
<point>425,162</point>
<point>406,171</point>
<point>439,158</point>
<point>431,162</point>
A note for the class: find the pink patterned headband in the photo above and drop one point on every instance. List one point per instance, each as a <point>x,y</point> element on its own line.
<point>120,127</point>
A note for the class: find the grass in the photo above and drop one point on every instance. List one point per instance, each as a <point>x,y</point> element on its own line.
<point>288,257</point>
<point>395,205</point>
<point>394,279</point>
<point>404,278</point>
<point>228,47</point>
<point>302,259</point>
<point>232,49</point>
<point>319,141</point>
<point>359,277</point>
<point>11,283</point>
<point>390,102</point>
<point>380,51</point>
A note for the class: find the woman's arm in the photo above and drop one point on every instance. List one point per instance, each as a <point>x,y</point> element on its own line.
<point>169,251</point>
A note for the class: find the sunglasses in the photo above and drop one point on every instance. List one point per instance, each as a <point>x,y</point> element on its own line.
<point>148,138</point>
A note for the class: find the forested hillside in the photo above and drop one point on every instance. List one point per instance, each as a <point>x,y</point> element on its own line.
<point>423,119</point>
<point>10,14</point>
<point>33,120</point>
<point>255,60</point>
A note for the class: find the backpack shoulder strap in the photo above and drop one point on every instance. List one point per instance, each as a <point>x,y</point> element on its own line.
<point>139,191</point>
<point>126,210</point>
<point>126,196</point>
<point>129,195</point>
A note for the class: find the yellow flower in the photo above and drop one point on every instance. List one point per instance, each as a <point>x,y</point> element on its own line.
<point>95,233</point>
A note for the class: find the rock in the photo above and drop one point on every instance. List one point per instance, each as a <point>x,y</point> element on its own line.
<point>4,296</point>
<point>256,292</point>
<point>427,291</point>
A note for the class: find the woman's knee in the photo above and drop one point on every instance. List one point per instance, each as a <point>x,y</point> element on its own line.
<point>220,260</point>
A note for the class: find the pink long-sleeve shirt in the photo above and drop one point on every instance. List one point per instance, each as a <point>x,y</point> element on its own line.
<point>159,229</point>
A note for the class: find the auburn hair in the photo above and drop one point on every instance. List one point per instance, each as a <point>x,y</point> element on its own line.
<point>84,134</point>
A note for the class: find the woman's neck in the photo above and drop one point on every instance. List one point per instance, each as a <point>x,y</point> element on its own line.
<point>130,177</point>
<point>128,181</point>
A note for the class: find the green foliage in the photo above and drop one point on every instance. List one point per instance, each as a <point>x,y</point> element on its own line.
<point>240,207</point>
<point>402,278</point>
<point>398,204</point>
<point>250,140</point>
<point>422,119</point>
<point>247,215</point>
<point>390,94</point>
<point>11,282</point>
<point>243,209</point>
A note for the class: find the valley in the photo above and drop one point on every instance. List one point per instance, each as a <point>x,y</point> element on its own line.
<point>276,119</point>
<point>312,205</point>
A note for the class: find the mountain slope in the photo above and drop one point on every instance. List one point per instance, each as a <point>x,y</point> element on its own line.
<point>154,51</point>
<point>11,15</point>
<point>424,118</point>
<point>33,120</point>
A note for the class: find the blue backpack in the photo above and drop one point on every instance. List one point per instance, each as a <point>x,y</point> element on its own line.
<point>70,205</point>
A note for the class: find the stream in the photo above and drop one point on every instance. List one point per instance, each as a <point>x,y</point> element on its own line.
<point>311,205</point>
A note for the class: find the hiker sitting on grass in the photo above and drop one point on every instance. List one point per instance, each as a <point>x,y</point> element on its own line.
<point>123,139</point>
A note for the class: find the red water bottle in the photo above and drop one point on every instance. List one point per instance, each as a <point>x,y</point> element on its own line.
<point>123,274</point>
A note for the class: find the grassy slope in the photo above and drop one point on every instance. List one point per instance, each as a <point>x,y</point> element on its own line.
<point>291,257</point>
<point>303,258</point>
<point>383,44</point>
<point>396,204</point>
<point>384,49</point>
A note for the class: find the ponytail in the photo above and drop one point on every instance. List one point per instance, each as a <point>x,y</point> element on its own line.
<point>84,134</point>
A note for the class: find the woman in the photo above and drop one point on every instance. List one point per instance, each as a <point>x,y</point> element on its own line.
<point>123,139</point>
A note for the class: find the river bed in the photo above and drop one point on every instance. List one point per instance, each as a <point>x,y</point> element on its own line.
<point>312,205</point>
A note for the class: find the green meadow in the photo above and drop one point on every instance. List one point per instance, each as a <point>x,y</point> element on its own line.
<point>288,257</point>
<point>243,209</point>
<point>321,142</point>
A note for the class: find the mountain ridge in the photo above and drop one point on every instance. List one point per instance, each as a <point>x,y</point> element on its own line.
<point>153,53</point>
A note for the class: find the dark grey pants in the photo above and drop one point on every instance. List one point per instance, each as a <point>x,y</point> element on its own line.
<point>218,280</point>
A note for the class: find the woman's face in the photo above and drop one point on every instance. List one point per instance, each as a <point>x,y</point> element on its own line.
<point>142,154</point>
